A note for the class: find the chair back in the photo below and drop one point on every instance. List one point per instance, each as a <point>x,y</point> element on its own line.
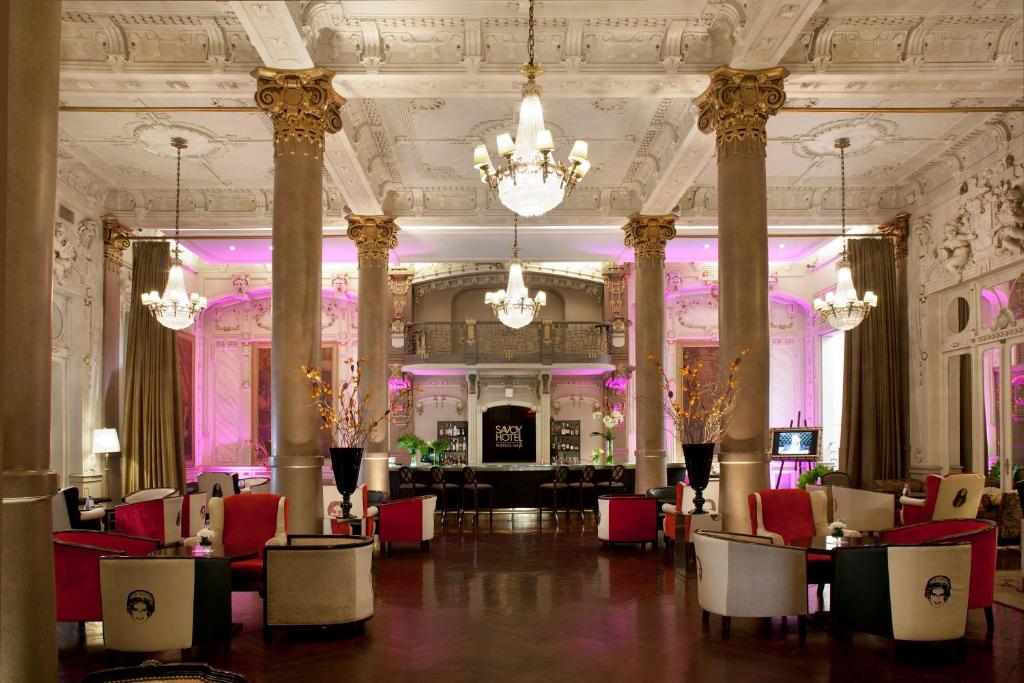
<point>255,485</point>
<point>149,494</point>
<point>663,494</point>
<point>228,482</point>
<point>70,494</point>
<point>407,519</point>
<point>333,500</point>
<point>248,521</point>
<point>437,475</point>
<point>618,473</point>
<point>468,476</point>
<point>405,475</point>
<point>710,493</point>
<point>151,604</point>
<point>587,476</point>
<point>561,474</point>
<point>836,479</point>
<point>193,513</point>
<point>152,670</point>
<point>958,497</point>
<point>859,509</point>
<point>158,518</point>
<point>788,513</point>
<point>59,509</point>
<point>628,519</point>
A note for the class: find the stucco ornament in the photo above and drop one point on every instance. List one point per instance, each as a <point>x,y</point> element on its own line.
<point>1009,236</point>
<point>955,250</point>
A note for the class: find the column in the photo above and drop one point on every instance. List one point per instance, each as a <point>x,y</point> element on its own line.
<point>544,418</point>
<point>28,639</point>
<point>736,106</point>
<point>303,107</point>
<point>374,236</point>
<point>647,235</point>
<point>473,418</point>
<point>115,243</point>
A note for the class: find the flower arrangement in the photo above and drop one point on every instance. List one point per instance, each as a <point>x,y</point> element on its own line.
<point>206,536</point>
<point>413,445</point>
<point>837,528</point>
<point>351,423</point>
<point>597,455</point>
<point>700,410</point>
<point>609,421</point>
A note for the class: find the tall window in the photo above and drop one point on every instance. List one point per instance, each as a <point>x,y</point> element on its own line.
<point>831,395</point>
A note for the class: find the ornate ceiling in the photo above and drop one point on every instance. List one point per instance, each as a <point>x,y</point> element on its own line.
<point>426,80</point>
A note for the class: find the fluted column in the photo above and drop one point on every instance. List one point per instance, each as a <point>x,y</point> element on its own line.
<point>647,235</point>
<point>304,108</point>
<point>374,236</point>
<point>115,243</point>
<point>736,106</point>
<point>28,638</point>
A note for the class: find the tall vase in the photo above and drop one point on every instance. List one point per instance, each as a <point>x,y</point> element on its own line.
<point>345,464</point>
<point>609,451</point>
<point>698,458</point>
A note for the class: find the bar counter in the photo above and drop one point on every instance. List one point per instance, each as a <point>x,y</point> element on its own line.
<point>516,484</point>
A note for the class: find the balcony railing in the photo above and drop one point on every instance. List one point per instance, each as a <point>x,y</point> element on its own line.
<point>474,342</point>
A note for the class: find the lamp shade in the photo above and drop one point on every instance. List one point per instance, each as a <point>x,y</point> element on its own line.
<point>105,441</point>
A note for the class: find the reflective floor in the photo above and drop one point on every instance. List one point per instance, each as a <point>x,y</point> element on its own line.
<point>514,603</point>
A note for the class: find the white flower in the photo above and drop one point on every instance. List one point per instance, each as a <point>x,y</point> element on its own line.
<point>597,452</point>
<point>838,524</point>
<point>206,532</point>
<point>617,415</point>
<point>609,421</point>
<point>597,415</point>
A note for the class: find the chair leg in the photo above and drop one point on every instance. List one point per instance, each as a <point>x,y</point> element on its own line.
<point>726,625</point>
<point>705,619</point>
<point>990,618</point>
<point>821,597</point>
<point>801,626</point>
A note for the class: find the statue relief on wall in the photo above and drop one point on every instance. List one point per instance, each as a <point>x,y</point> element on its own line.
<point>955,250</point>
<point>1009,235</point>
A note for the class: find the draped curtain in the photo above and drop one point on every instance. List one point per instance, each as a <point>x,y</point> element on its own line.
<point>153,441</point>
<point>874,370</point>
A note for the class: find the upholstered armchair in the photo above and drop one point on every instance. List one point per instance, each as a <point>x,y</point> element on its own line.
<point>193,513</point>
<point>980,533</point>
<point>94,519</point>
<point>143,495</point>
<point>255,485</point>
<point>76,557</point>
<point>783,515</point>
<point>158,518</point>
<point>912,592</point>
<point>861,510</point>
<point>317,581</point>
<point>954,496</point>
<point>684,504</point>
<point>152,604</point>
<point>251,522</point>
<point>627,519</point>
<point>361,509</point>
<point>740,575</point>
<point>406,520</point>
<point>228,482</point>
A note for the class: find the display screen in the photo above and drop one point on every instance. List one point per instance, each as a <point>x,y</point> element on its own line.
<point>795,442</point>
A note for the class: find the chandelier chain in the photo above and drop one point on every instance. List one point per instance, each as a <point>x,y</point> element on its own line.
<point>530,35</point>
<point>842,176</point>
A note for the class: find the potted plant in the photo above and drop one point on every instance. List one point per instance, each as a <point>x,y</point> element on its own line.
<point>413,445</point>
<point>700,412</point>
<point>351,423</point>
<point>609,421</point>
<point>812,475</point>
<point>436,451</point>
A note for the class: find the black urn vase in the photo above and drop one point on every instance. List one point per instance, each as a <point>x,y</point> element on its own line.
<point>345,463</point>
<point>698,458</point>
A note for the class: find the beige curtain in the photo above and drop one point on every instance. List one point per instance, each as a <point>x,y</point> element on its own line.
<point>874,394</point>
<point>153,443</point>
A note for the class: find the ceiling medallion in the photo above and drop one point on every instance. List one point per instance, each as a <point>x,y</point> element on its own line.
<point>202,143</point>
<point>842,309</point>
<point>175,308</point>
<point>531,182</point>
<point>513,305</point>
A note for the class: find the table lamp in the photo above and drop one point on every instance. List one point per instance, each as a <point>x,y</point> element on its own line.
<point>105,441</point>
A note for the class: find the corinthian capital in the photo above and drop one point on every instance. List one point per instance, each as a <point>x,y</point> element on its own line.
<point>303,106</point>
<point>737,104</point>
<point>648,236</point>
<point>374,237</point>
<point>115,241</point>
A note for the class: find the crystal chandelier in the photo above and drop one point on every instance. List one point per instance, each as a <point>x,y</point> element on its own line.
<point>513,305</point>
<point>842,309</point>
<point>175,309</point>
<point>531,182</point>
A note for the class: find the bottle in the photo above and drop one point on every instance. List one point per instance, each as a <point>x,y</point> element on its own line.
<point>89,503</point>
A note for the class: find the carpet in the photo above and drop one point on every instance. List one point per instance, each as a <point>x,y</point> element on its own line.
<point>1008,589</point>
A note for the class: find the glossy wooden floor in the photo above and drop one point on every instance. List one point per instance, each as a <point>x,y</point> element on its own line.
<point>522,605</point>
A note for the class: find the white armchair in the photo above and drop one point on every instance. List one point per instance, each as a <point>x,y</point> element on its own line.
<point>861,510</point>
<point>740,575</point>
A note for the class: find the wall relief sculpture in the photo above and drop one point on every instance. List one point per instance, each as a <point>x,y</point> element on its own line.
<point>955,250</point>
<point>1009,234</point>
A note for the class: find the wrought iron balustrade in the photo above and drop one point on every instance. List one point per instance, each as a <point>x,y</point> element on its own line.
<point>489,341</point>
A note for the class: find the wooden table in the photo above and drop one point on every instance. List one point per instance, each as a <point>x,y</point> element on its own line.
<point>230,553</point>
<point>826,545</point>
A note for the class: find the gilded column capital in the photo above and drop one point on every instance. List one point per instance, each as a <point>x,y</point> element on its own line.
<point>115,241</point>
<point>302,104</point>
<point>374,237</point>
<point>896,231</point>
<point>737,104</point>
<point>647,235</point>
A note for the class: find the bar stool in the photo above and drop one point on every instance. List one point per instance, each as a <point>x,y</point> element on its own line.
<point>469,483</point>
<point>407,486</point>
<point>586,483</point>
<point>615,484</point>
<point>559,484</point>
<point>442,488</point>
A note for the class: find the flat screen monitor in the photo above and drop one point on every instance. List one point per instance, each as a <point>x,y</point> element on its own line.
<point>796,442</point>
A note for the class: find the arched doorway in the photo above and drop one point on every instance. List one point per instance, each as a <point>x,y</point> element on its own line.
<point>509,434</point>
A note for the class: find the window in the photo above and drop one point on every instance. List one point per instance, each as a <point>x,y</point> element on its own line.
<point>831,396</point>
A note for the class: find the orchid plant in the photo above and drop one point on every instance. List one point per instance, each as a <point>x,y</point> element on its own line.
<point>700,410</point>
<point>609,421</point>
<point>348,416</point>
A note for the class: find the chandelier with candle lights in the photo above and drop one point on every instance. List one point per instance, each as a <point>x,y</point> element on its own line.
<point>842,309</point>
<point>513,305</point>
<point>175,308</point>
<point>531,182</point>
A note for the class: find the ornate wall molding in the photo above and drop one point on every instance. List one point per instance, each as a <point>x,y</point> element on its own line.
<point>647,235</point>
<point>374,236</point>
<point>115,242</point>
<point>737,104</point>
<point>499,277</point>
<point>302,104</point>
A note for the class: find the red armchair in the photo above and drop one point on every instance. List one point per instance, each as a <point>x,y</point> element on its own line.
<point>980,533</point>
<point>193,514</point>
<point>628,519</point>
<point>159,519</point>
<point>953,496</point>
<point>407,520</point>
<point>76,559</point>
<point>786,514</point>
<point>250,522</point>
<point>684,504</point>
